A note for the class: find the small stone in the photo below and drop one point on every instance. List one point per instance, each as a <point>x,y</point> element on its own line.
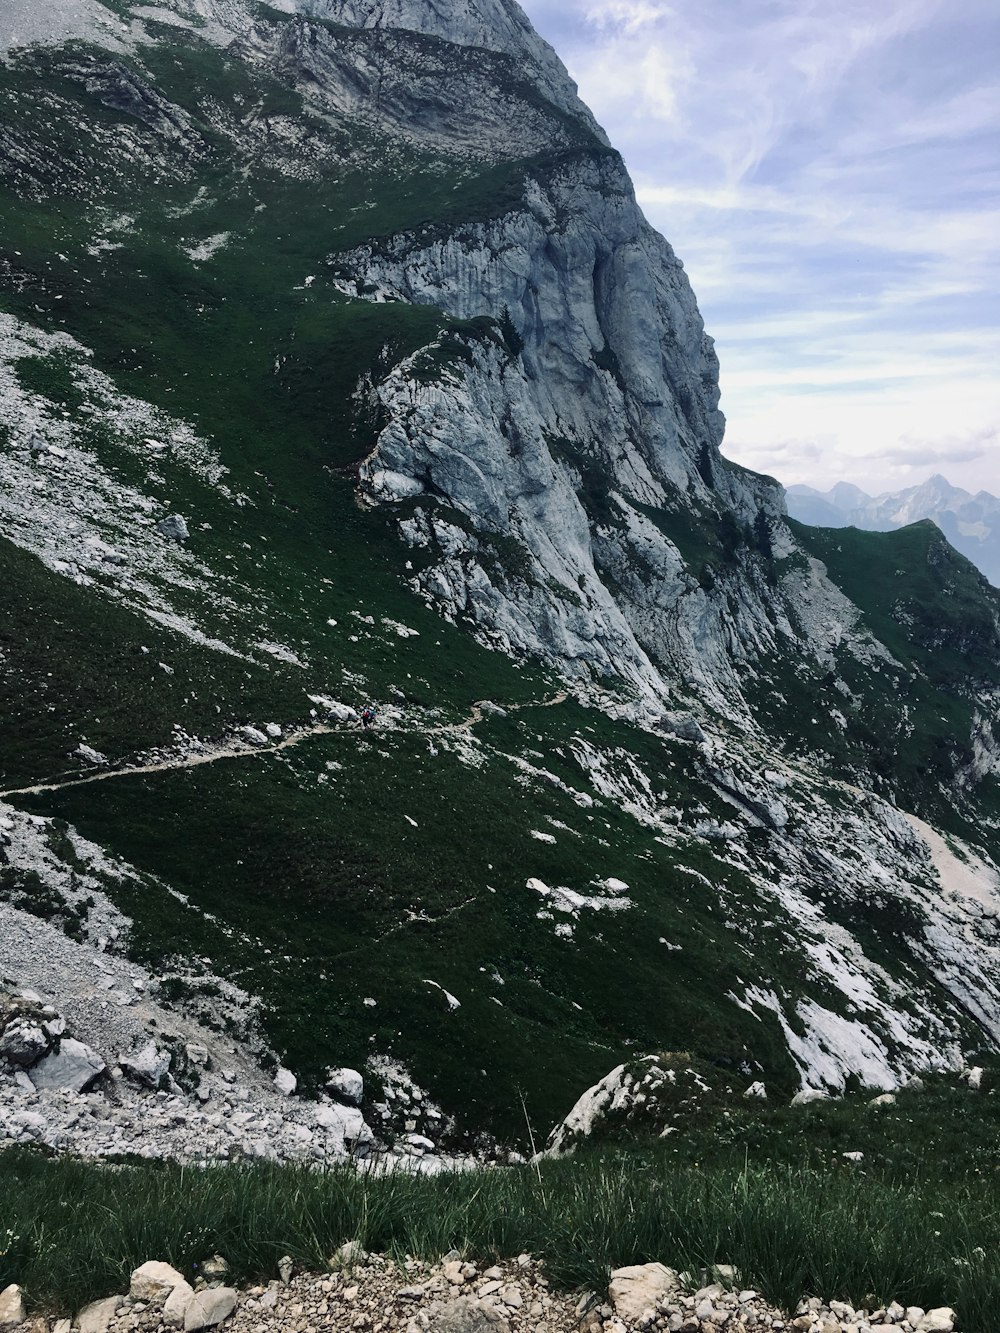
<point>512,1298</point>
<point>173,528</point>
<point>214,1269</point>
<point>914,1314</point>
<point>286,1267</point>
<point>453,1273</point>
<point>11,1307</point>
<point>349,1254</point>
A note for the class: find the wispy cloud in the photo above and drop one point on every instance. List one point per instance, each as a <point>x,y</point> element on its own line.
<point>828,172</point>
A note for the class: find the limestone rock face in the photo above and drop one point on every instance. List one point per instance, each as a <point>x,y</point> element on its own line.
<point>493,25</point>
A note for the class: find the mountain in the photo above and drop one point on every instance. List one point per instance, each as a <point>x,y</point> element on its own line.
<point>970,522</point>
<point>339,366</point>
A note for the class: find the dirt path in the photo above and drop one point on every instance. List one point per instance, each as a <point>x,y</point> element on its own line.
<point>247,750</point>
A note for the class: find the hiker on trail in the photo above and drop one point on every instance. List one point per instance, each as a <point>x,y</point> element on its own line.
<point>368,716</point>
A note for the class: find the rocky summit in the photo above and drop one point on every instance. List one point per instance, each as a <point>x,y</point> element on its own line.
<point>415,728</point>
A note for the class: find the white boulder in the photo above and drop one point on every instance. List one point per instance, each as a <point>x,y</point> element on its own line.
<point>286,1082</point>
<point>175,1307</point>
<point>97,1316</point>
<point>23,1043</point>
<point>147,1064</point>
<point>637,1291</point>
<point>940,1320</point>
<point>209,1308</point>
<point>73,1067</point>
<point>346,1085</point>
<point>154,1281</point>
<point>11,1307</point>
<point>808,1096</point>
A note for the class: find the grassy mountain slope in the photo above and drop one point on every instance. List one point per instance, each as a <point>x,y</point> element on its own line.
<point>189,244</point>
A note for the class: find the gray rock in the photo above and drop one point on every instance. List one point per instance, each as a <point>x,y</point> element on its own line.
<point>173,528</point>
<point>346,1085</point>
<point>89,754</point>
<point>808,1096</point>
<point>73,1066</point>
<point>683,726</point>
<point>884,1099</point>
<point>97,1316</point>
<point>23,1043</point>
<point>940,1320</point>
<point>351,1253</point>
<point>154,1281</point>
<point>208,1308</point>
<point>638,1289</point>
<point>466,1315</point>
<point>147,1065</point>
<point>11,1307</point>
<point>215,1269</point>
<point>176,1305</point>
<point>286,1082</point>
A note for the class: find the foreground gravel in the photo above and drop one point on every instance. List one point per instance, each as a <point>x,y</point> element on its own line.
<point>376,1295</point>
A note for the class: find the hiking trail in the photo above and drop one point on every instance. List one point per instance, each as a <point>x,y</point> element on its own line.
<point>247,750</point>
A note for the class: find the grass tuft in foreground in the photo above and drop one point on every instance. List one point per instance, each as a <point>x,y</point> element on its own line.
<point>74,1231</point>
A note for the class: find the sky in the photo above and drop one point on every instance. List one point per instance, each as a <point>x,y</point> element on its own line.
<point>829,173</point>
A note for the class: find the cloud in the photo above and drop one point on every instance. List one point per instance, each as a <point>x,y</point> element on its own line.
<point>629,15</point>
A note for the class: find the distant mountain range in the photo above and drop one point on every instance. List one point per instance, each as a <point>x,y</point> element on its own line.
<point>970,522</point>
